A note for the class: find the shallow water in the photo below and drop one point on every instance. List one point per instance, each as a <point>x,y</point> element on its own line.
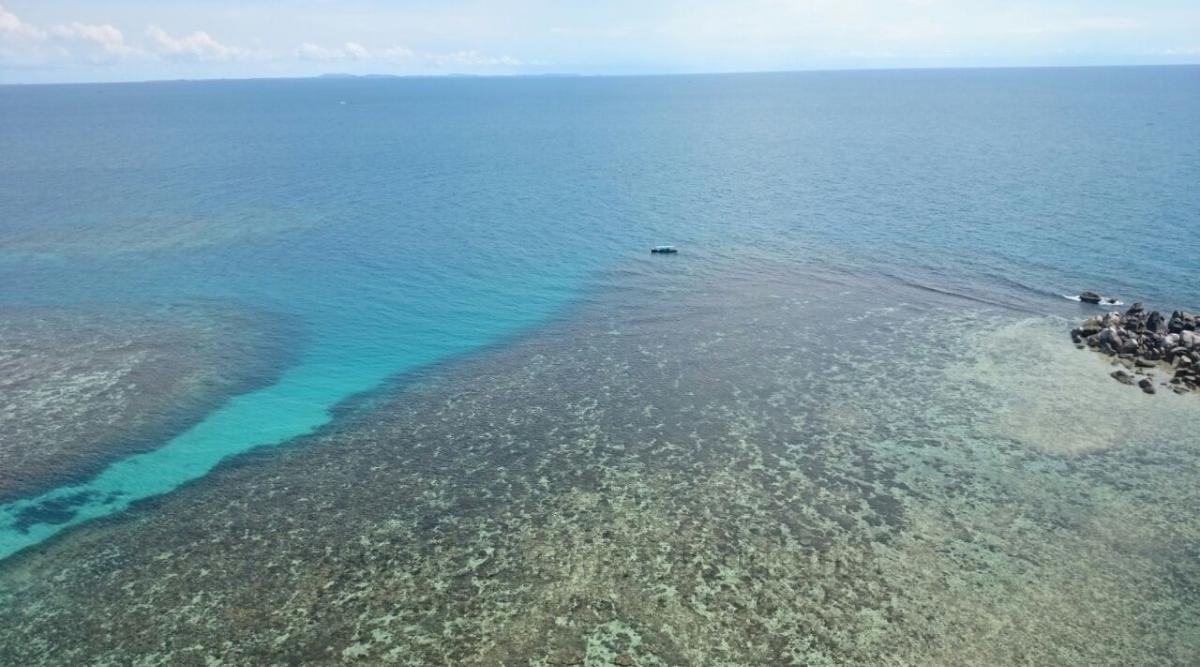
<point>82,389</point>
<point>844,425</point>
<point>685,471</point>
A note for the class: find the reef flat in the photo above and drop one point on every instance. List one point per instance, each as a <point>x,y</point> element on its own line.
<point>151,234</point>
<point>80,388</point>
<point>685,471</point>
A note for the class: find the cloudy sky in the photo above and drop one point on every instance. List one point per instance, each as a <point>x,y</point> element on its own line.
<point>118,40</point>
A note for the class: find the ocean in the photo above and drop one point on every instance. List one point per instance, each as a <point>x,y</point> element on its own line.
<point>382,369</point>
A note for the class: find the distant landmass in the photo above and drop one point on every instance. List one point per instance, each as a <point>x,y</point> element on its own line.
<point>456,75</point>
<point>343,75</point>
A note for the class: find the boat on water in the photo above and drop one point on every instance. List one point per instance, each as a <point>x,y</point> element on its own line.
<point>1096,299</point>
<point>664,250</point>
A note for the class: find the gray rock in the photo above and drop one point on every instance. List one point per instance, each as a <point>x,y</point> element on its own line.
<point>1155,322</point>
<point>1175,325</point>
<point>1122,377</point>
<point>1140,340</point>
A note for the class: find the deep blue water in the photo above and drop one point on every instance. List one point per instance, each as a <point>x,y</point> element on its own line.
<point>407,221</point>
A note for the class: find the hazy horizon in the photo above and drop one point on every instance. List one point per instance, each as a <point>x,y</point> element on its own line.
<point>334,75</point>
<point>71,41</point>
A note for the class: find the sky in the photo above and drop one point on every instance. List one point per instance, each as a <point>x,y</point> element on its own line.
<point>45,41</point>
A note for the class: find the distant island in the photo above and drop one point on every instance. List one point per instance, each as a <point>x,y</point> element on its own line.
<point>448,75</point>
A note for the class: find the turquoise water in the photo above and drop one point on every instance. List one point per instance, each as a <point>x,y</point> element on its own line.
<point>405,222</point>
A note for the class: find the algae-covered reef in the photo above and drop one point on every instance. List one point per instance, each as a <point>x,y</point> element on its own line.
<point>81,387</point>
<point>688,472</point>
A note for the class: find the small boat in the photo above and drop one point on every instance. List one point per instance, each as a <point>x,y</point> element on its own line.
<point>1095,299</point>
<point>664,250</point>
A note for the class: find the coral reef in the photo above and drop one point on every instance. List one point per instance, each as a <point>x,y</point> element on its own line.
<point>82,387</point>
<point>693,472</point>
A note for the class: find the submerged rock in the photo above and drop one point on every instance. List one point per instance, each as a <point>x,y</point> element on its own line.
<point>1122,377</point>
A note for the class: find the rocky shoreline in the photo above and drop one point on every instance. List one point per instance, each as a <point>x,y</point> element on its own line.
<point>1143,342</point>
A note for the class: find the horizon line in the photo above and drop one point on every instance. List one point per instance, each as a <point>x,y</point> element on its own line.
<point>597,75</point>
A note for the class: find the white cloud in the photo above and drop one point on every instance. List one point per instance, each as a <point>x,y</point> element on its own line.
<point>357,51</point>
<point>400,54</point>
<point>470,59</point>
<point>23,44</point>
<point>354,50</point>
<point>349,51</point>
<point>397,53</point>
<point>310,51</point>
<point>199,45</point>
<point>12,26</point>
<point>106,37</point>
